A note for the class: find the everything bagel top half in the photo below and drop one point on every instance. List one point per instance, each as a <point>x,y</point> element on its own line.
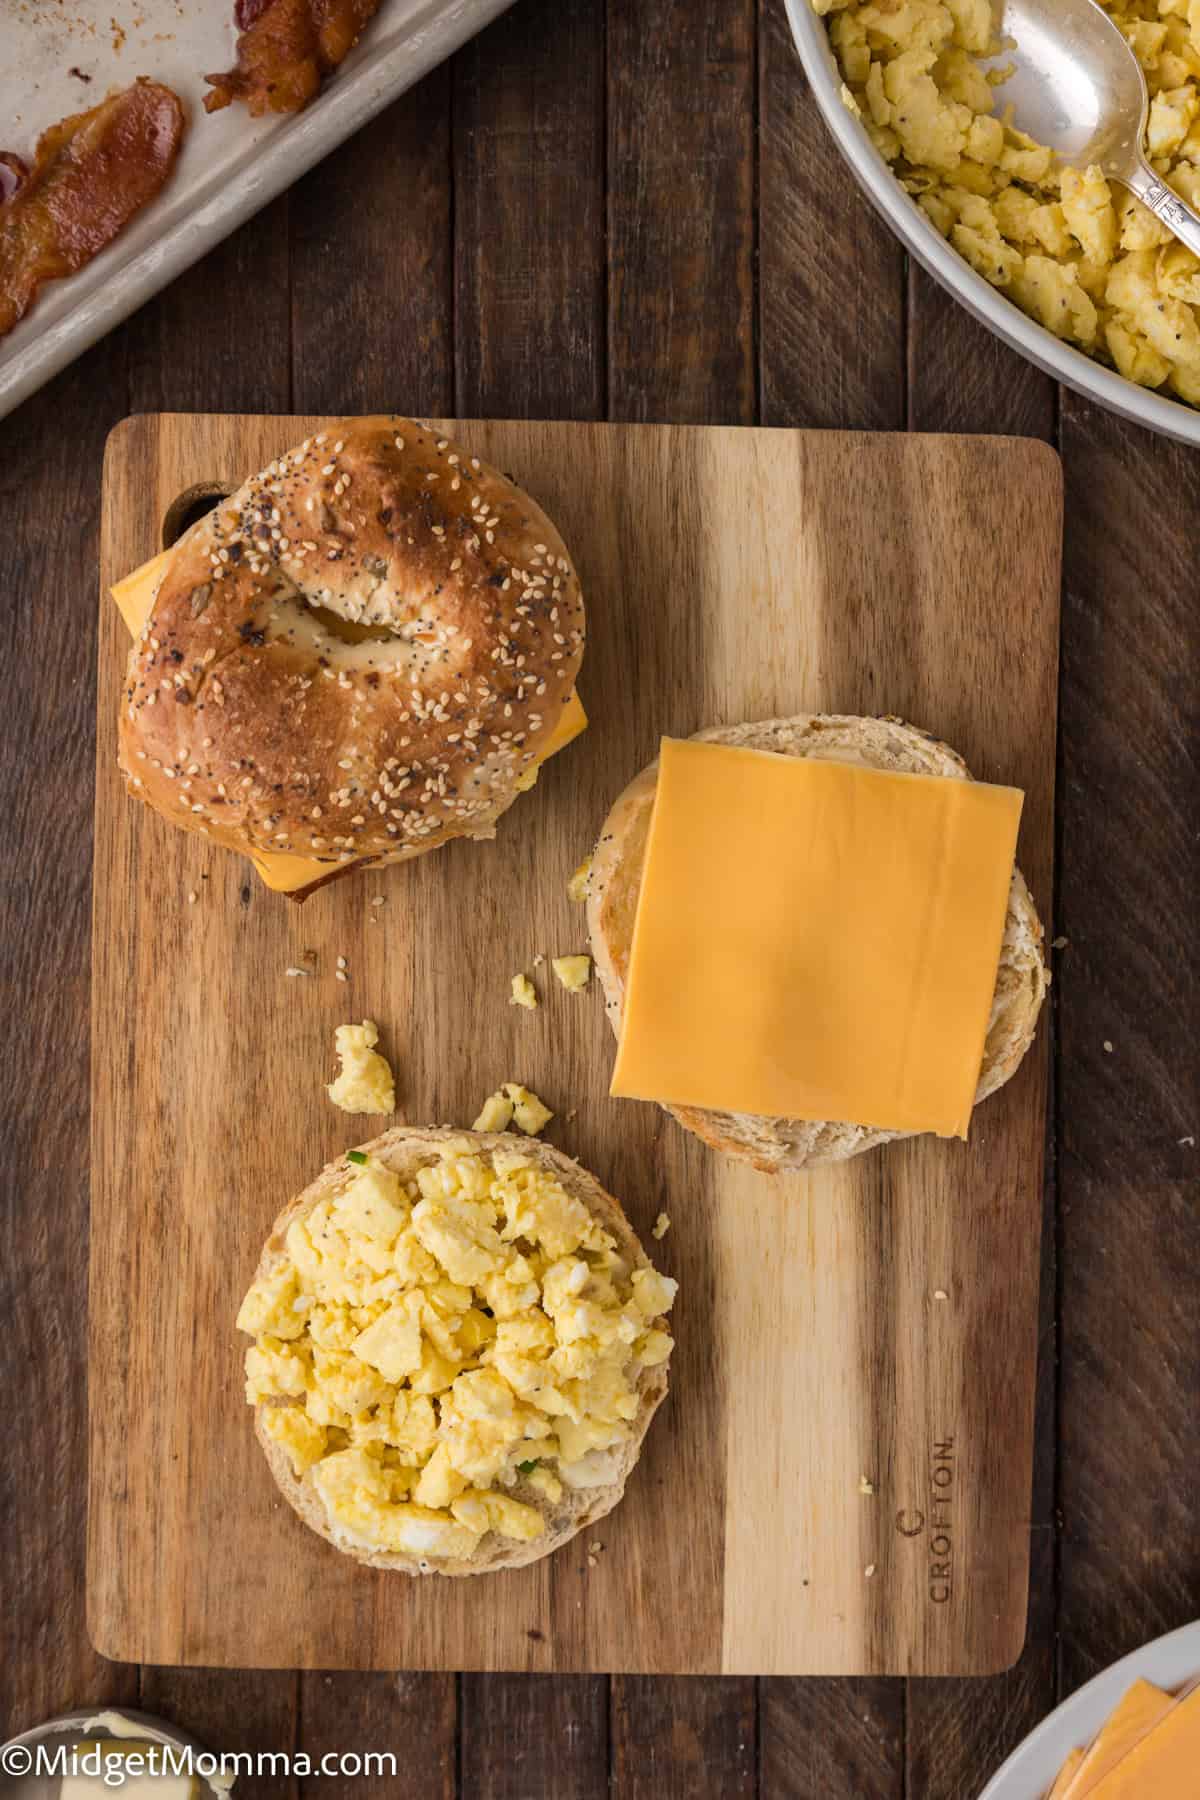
<point>367,650</point>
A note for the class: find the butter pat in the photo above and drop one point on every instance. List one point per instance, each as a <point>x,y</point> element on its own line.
<point>816,940</point>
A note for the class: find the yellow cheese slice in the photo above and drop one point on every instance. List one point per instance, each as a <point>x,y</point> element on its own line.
<point>1162,1765</point>
<point>1065,1776</point>
<point>816,940</point>
<point>280,871</point>
<point>1141,1708</point>
<point>135,595</point>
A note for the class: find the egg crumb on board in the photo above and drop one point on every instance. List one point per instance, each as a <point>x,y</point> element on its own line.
<point>523,992</point>
<point>573,972</point>
<point>661,1226</point>
<point>866,1486</point>
<point>577,887</point>
<point>513,1104</point>
<point>434,1348</point>
<point>495,1114</point>
<point>529,1113</point>
<point>365,1084</point>
<point>1085,259</point>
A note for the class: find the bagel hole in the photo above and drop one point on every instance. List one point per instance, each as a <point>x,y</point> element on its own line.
<point>195,501</point>
<point>189,506</point>
<point>347,630</point>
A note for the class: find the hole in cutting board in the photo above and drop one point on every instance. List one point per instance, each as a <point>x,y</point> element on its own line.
<point>189,506</point>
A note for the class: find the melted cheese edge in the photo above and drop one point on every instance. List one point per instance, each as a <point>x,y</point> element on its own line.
<point>284,873</point>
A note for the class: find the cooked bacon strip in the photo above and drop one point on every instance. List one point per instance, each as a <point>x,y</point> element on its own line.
<point>92,173</point>
<point>285,50</point>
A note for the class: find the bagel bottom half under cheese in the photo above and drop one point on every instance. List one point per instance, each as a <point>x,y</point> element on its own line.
<point>459,1346</point>
<point>614,887</point>
<point>296,876</point>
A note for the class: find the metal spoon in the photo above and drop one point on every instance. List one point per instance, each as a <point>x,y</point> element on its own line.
<point>1077,88</point>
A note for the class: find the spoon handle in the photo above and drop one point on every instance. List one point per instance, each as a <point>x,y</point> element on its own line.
<point>1166,205</point>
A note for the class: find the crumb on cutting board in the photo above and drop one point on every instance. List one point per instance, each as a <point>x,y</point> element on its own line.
<point>530,1115</point>
<point>495,1114</point>
<point>365,1083</point>
<point>513,1104</point>
<point>573,972</point>
<point>523,993</point>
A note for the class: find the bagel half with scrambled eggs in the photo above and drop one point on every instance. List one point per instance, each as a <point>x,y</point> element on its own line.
<point>360,1454</point>
<point>614,884</point>
<point>366,651</point>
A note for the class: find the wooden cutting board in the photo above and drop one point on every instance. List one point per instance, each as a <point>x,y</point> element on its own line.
<point>877,1319</point>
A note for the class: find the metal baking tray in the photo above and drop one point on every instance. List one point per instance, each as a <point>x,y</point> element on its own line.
<point>61,56</point>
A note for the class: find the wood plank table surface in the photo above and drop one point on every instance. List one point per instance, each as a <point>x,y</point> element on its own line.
<point>628,209</point>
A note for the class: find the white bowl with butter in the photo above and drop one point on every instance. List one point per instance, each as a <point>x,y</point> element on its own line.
<point>920,237</point>
<point>38,1765</point>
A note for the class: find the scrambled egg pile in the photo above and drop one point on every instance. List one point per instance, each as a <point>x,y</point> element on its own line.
<point>1084,259</point>
<point>439,1340</point>
<point>365,1084</point>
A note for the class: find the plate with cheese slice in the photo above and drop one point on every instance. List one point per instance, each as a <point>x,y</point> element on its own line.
<point>1131,1733</point>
